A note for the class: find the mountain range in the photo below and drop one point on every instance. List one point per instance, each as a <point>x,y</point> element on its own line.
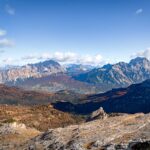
<point>133,99</point>
<point>79,120</point>
<point>47,76</point>
<point>18,96</point>
<point>118,75</point>
<point>50,76</point>
<point>54,83</point>
<point>30,70</point>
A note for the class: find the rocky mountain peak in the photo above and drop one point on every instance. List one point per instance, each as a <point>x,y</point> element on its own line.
<point>47,63</point>
<point>40,69</point>
<point>107,66</point>
<point>139,60</point>
<point>118,75</point>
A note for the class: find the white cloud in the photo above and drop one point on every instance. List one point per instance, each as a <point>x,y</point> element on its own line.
<point>9,60</point>
<point>6,43</point>
<point>67,57</point>
<point>93,60</point>
<point>3,32</point>
<point>10,10</point>
<point>145,53</point>
<point>30,57</point>
<point>139,11</point>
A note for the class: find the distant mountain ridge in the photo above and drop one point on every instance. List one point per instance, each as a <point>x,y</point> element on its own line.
<point>54,83</point>
<point>30,70</point>
<point>47,76</point>
<point>51,76</point>
<point>118,75</point>
<point>133,99</point>
<point>18,96</point>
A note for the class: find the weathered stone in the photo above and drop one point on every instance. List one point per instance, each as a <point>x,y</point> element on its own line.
<point>98,114</point>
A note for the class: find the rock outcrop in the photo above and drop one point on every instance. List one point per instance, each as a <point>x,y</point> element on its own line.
<point>127,132</point>
<point>98,114</point>
<point>12,128</point>
<point>12,135</point>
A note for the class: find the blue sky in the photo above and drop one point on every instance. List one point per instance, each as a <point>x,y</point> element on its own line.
<point>84,31</point>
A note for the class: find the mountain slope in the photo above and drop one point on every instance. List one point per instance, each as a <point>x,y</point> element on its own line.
<point>135,98</point>
<point>21,123</point>
<point>40,117</point>
<point>128,132</point>
<point>54,83</point>
<point>14,95</point>
<point>118,75</point>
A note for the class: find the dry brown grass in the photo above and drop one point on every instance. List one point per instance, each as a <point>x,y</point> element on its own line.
<point>41,117</point>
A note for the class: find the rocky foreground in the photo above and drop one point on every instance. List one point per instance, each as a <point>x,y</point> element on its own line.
<point>12,135</point>
<point>100,132</point>
<point>123,132</point>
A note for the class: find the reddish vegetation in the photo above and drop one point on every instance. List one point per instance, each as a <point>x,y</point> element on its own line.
<point>13,95</point>
<point>41,117</point>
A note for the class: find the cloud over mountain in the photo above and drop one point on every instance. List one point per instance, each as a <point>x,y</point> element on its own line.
<point>67,57</point>
<point>144,53</point>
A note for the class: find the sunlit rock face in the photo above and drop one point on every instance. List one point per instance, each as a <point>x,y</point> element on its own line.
<point>118,75</point>
<point>98,114</point>
<point>31,70</point>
